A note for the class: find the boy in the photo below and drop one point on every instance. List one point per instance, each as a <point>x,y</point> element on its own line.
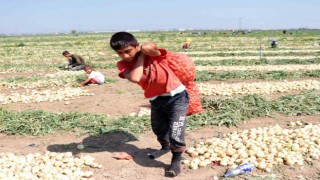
<point>93,77</point>
<point>147,66</point>
<point>76,62</point>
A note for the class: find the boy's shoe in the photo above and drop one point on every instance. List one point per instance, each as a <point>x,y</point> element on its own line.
<point>174,169</point>
<point>164,150</point>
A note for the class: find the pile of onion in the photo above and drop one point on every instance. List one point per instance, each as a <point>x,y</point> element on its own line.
<point>50,165</point>
<point>264,147</point>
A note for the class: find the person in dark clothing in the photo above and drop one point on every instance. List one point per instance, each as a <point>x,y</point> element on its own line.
<point>76,63</point>
<point>274,43</point>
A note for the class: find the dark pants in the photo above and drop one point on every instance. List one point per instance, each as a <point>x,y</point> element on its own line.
<point>168,118</point>
<point>76,68</point>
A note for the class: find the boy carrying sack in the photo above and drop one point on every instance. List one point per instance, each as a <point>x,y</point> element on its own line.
<point>153,70</point>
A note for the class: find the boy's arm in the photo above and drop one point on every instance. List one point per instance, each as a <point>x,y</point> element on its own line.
<point>150,49</point>
<point>85,82</point>
<point>137,71</point>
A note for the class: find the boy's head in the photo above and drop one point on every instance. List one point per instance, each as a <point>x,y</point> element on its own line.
<point>125,45</point>
<point>66,54</point>
<point>122,39</point>
<point>88,68</point>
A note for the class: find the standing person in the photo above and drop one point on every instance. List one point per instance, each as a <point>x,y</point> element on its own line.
<point>76,62</point>
<point>147,66</point>
<point>93,77</point>
<point>187,44</point>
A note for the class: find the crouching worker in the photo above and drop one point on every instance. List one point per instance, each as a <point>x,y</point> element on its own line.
<point>76,62</point>
<point>187,44</point>
<point>147,66</point>
<point>93,77</point>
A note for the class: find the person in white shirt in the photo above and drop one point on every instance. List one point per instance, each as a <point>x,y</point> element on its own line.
<point>93,77</point>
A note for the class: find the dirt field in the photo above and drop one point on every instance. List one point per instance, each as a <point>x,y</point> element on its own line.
<point>123,98</point>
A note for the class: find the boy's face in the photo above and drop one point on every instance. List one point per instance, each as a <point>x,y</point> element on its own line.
<point>128,53</point>
<point>88,70</point>
<point>67,55</point>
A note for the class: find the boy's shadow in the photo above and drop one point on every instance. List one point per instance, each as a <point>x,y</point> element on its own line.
<point>112,141</point>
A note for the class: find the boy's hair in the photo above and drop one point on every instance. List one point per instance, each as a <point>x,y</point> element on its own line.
<point>65,52</point>
<point>122,39</point>
<point>88,66</point>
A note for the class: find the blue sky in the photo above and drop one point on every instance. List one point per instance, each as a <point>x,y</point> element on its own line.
<point>44,16</point>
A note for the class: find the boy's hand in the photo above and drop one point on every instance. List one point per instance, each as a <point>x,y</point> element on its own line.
<point>150,49</point>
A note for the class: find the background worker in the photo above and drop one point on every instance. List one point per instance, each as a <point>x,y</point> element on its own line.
<point>93,76</point>
<point>187,44</point>
<point>76,62</point>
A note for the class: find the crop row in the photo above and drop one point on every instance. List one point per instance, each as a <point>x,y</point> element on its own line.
<point>257,57</point>
<point>60,78</point>
<point>257,87</point>
<point>288,68</point>
<point>252,51</point>
<point>48,95</point>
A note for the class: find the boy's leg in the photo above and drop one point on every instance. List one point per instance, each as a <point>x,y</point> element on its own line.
<point>178,108</point>
<point>94,81</point>
<point>69,67</point>
<point>160,126</point>
<point>165,148</point>
<point>77,68</point>
<point>73,68</point>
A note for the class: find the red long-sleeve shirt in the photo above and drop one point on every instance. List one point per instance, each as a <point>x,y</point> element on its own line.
<point>157,76</point>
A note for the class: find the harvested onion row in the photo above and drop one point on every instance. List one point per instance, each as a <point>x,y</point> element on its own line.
<point>65,73</point>
<point>50,165</point>
<point>67,81</point>
<point>249,51</point>
<point>264,147</point>
<point>257,87</point>
<point>15,69</point>
<point>212,58</point>
<point>31,96</point>
<point>287,68</point>
<point>226,47</point>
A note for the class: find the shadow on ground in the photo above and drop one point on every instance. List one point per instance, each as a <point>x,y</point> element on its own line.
<point>112,141</point>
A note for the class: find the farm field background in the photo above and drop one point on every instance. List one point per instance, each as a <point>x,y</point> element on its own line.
<point>242,88</point>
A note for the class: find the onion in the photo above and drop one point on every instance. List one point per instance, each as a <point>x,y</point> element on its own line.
<point>193,166</point>
<point>80,146</point>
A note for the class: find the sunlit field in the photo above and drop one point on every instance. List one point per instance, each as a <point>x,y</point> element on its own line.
<point>240,78</point>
